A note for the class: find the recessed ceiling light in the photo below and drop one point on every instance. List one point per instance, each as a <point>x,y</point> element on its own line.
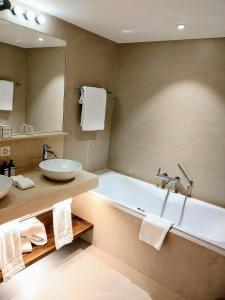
<point>30,15</point>
<point>18,10</point>
<point>181,26</point>
<point>40,39</point>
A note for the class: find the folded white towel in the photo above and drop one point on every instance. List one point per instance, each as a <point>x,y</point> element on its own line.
<point>6,95</point>
<point>34,231</point>
<point>22,182</point>
<point>93,102</point>
<point>11,258</point>
<point>154,230</point>
<point>26,245</point>
<point>62,223</point>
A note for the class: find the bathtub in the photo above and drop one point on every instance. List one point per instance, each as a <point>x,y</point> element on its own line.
<point>201,220</point>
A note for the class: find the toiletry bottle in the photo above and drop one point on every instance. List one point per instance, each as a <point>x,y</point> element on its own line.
<point>5,169</point>
<point>12,168</point>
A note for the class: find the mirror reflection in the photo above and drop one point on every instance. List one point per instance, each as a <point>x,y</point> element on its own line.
<point>32,68</point>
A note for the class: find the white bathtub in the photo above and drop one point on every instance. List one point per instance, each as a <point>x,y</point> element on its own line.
<point>202,220</point>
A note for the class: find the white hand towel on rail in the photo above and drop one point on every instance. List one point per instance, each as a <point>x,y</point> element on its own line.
<point>11,259</point>
<point>6,95</point>
<point>34,231</point>
<point>154,230</point>
<point>93,102</point>
<point>62,223</point>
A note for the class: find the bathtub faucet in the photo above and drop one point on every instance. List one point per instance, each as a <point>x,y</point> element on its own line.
<point>167,180</point>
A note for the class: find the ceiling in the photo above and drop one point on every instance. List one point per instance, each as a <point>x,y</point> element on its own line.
<point>23,37</point>
<point>141,20</point>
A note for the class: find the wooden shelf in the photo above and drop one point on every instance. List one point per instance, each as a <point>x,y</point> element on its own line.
<point>80,227</point>
<point>38,135</point>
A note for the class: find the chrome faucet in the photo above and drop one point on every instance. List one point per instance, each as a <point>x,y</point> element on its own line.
<point>46,151</point>
<point>167,180</point>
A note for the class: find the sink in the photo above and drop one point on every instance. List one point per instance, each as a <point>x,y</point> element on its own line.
<point>60,169</point>
<point>5,185</point>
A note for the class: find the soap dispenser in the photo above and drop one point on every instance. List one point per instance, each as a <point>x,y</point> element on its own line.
<point>5,169</point>
<point>12,168</point>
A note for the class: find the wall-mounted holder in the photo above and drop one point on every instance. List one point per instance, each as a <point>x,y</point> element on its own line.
<point>80,87</point>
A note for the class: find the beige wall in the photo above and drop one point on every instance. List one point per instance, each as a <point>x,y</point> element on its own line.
<point>91,59</point>
<point>45,69</point>
<point>170,109</point>
<point>12,67</point>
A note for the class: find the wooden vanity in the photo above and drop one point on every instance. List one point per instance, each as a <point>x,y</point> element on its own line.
<point>45,193</point>
<point>19,203</point>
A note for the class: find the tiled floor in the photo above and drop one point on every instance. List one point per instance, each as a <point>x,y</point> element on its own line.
<point>82,272</point>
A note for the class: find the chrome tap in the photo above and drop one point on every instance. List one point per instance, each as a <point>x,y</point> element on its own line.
<point>46,151</point>
<point>167,180</point>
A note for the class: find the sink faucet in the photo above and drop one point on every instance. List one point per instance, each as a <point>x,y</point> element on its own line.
<point>46,151</point>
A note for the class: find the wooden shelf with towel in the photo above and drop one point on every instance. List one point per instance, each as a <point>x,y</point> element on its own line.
<point>80,227</point>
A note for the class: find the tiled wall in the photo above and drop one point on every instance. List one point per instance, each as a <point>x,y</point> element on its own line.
<point>170,109</point>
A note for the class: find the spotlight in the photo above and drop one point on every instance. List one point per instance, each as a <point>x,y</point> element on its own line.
<point>40,19</point>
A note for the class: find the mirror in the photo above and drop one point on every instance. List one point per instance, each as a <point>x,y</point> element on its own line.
<point>35,63</point>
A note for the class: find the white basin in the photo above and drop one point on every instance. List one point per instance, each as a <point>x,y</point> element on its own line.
<point>5,185</point>
<point>60,169</point>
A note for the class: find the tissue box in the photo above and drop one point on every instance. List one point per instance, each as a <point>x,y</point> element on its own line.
<point>5,131</point>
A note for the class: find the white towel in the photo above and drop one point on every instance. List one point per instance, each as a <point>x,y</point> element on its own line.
<point>93,102</point>
<point>22,182</point>
<point>26,245</point>
<point>11,258</point>
<point>34,231</point>
<point>6,95</point>
<point>62,223</point>
<point>154,230</point>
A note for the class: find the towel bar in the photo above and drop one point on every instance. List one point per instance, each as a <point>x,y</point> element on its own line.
<point>38,213</point>
<point>80,87</point>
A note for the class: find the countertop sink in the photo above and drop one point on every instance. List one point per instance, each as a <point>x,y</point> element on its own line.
<point>5,185</point>
<point>60,169</point>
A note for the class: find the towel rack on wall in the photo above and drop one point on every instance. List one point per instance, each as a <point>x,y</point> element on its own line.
<point>80,87</point>
<point>16,83</point>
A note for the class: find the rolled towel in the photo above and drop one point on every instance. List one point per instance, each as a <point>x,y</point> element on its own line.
<point>22,182</point>
<point>26,245</point>
<point>154,230</point>
<point>34,231</point>
<point>11,259</point>
<point>62,223</point>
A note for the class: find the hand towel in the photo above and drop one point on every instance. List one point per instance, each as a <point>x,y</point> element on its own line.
<point>6,95</point>
<point>62,223</point>
<point>34,231</point>
<point>154,230</point>
<point>26,245</point>
<point>93,102</point>
<point>22,182</point>
<point>11,259</point>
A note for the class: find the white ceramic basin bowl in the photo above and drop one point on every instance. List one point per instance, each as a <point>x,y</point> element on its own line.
<point>5,185</point>
<point>60,169</point>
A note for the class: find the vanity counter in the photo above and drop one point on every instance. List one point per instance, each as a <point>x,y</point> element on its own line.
<point>19,203</point>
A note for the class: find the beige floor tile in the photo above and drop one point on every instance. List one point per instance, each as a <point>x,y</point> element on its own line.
<point>82,272</point>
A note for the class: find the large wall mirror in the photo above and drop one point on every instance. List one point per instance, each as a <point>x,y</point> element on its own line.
<point>35,63</point>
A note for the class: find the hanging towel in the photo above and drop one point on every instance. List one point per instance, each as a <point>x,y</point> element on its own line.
<point>154,230</point>
<point>93,102</point>
<point>62,223</point>
<point>6,95</point>
<point>34,231</point>
<point>11,259</point>
<point>26,245</point>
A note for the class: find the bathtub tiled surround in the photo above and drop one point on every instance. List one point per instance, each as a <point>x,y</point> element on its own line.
<point>190,270</point>
<point>170,109</point>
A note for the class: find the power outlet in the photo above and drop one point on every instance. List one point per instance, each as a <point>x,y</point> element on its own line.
<point>5,151</point>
